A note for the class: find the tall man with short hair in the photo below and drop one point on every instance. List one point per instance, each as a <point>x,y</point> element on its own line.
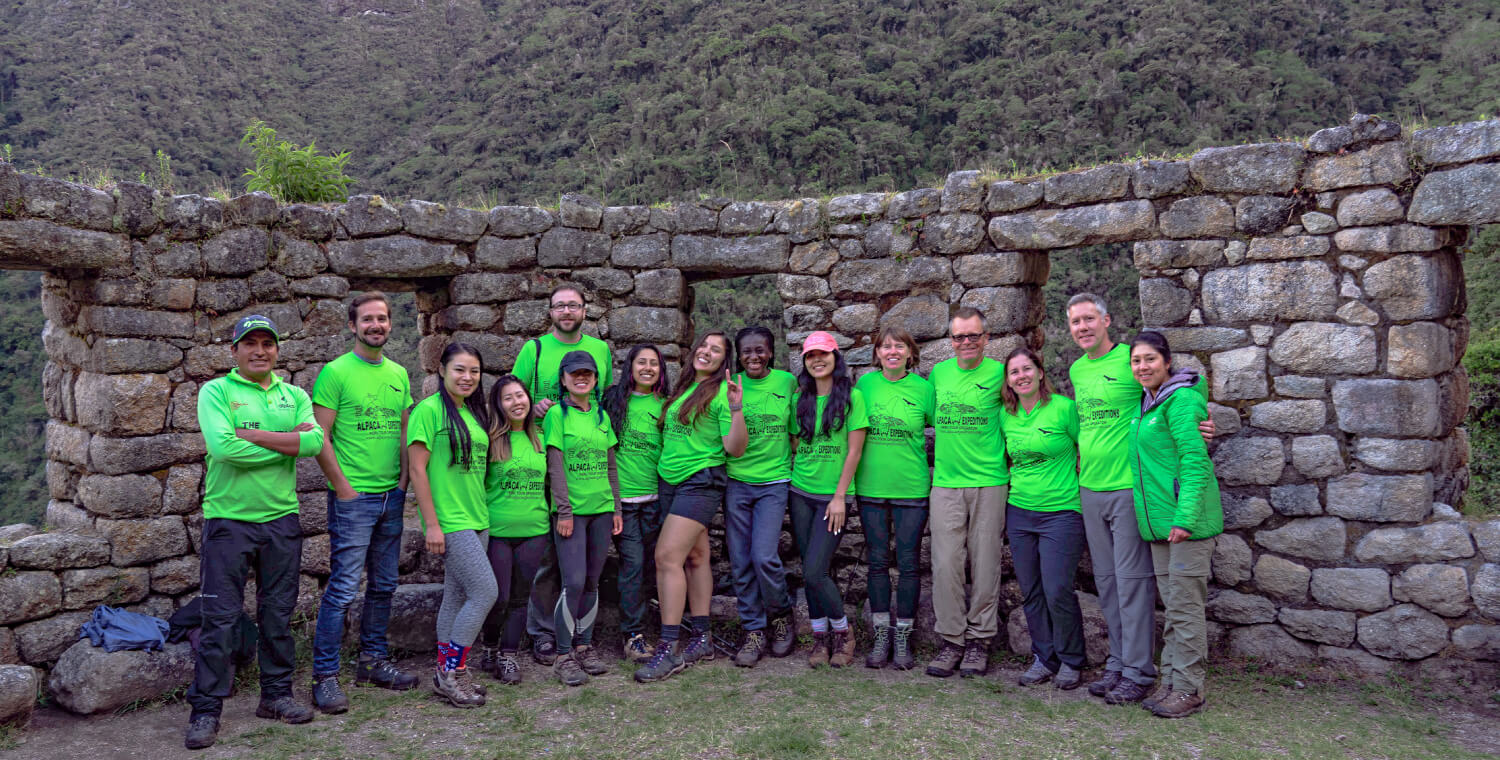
<point>969,484</point>
<point>255,426</point>
<point>536,367</point>
<point>361,401</point>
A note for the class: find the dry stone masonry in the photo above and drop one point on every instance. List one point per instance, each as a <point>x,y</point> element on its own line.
<point>1317,284</point>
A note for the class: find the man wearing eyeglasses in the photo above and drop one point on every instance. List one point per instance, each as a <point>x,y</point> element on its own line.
<point>536,367</point>
<point>969,485</point>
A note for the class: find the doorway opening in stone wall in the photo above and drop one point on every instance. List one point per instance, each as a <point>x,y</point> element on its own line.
<point>23,473</point>
<point>738,302</point>
<point>1104,270</point>
<point>1481,261</point>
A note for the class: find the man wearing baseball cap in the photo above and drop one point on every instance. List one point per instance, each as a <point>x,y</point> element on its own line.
<point>254,427</point>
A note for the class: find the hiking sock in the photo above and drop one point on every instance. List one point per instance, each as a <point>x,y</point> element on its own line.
<point>879,619</point>
<point>699,624</point>
<point>906,622</point>
<point>670,633</point>
<point>841,624</point>
<point>448,655</point>
<point>820,625</point>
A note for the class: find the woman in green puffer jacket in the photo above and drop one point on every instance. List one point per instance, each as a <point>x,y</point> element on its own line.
<point>1177,509</point>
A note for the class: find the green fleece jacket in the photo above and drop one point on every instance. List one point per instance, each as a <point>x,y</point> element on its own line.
<point>1173,477</point>
<point>243,481</point>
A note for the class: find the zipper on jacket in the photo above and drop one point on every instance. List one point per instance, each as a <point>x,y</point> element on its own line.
<point>1141,477</point>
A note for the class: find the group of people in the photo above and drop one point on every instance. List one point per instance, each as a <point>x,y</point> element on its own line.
<point>523,488</point>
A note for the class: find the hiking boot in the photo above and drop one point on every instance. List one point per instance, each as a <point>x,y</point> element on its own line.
<point>841,648</point>
<point>783,635</point>
<point>698,648</point>
<point>901,657</point>
<point>1067,678</point>
<point>1178,704</point>
<point>202,731</point>
<point>665,662</point>
<point>752,650</point>
<point>1125,692</point>
<point>486,661</point>
<point>1149,703</point>
<point>285,709</point>
<point>383,673</point>
<point>1109,680</point>
<point>946,661</point>
<point>636,649</point>
<point>327,696</point>
<point>466,679</point>
<point>544,650</point>
<point>569,671</point>
<point>1037,674</point>
<point>880,648</point>
<point>588,659</point>
<point>818,657</point>
<point>976,660</point>
<point>507,669</point>
<point>445,684</point>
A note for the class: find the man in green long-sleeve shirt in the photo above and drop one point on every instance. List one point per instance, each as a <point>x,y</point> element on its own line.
<point>254,427</point>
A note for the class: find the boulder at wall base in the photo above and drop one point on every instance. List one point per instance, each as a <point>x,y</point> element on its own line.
<point>1095,632</point>
<point>88,680</point>
<point>18,688</point>
<point>413,626</point>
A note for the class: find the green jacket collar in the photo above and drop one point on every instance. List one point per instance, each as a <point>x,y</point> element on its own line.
<point>235,376</point>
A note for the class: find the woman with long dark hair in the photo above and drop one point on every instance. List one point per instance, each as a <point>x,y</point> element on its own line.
<point>634,405</point>
<point>704,424</point>
<point>520,522</point>
<point>447,449</point>
<point>831,423</point>
<point>1044,517</point>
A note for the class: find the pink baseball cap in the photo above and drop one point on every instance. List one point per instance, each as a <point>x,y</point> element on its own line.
<point>819,341</point>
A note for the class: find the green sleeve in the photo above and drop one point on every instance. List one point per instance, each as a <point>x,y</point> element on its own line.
<point>552,428</point>
<point>327,388</point>
<point>406,399</point>
<point>929,405</point>
<point>1071,420</point>
<point>419,427</point>
<point>859,419</point>
<point>525,369</point>
<point>218,431</point>
<point>309,442</point>
<point>1194,467</point>
<point>719,407</point>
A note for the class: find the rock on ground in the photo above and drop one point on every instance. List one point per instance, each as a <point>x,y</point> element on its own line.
<point>88,680</point>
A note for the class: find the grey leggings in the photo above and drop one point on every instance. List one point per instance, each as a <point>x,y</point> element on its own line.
<point>469,589</point>
<point>580,559</point>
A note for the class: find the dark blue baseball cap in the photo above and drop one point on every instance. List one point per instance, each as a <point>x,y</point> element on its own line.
<point>250,323</point>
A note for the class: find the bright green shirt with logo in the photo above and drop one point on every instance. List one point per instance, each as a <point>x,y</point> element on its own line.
<point>368,400</point>
<point>244,481</point>
<point>458,494</point>
<point>584,438</point>
<point>820,463</point>
<point>514,491</point>
<point>969,450</point>
<point>640,446</point>
<point>894,463</point>
<point>686,449</point>
<point>1043,449</point>
<point>768,418</point>
<point>539,372</point>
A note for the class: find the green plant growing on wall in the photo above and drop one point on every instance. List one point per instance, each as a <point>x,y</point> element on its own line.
<point>294,174</point>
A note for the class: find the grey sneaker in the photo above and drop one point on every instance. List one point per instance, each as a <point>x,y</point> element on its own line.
<point>1067,678</point>
<point>946,661</point>
<point>202,732</point>
<point>901,657</point>
<point>1101,687</point>
<point>1037,674</point>
<point>752,650</point>
<point>880,648</point>
<point>569,671</point>
<point>636,648</point>
<point>976,660</point>
<point>285,709</point>
<point>507,669</point>
<point>544,650</point>
<point>1127,691</point>
<point>588,659</point>
<point>445,684</point>
<point>698,648</point>
<point>327,696</point>
<point>664,663</point>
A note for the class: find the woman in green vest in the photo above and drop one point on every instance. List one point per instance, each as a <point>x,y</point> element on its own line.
<point>1177,509</point>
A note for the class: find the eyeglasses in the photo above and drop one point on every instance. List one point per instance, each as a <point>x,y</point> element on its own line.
<point>969,338</point>
<point>567,306</point>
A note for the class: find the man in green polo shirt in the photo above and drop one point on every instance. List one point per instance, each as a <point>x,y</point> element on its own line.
<point>969,486</point>
<point>254,426</point>
<point>536,367</point>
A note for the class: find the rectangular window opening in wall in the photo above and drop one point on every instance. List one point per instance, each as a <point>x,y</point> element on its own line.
<point>23,471</point>
<point>1481,361</point>
<point>1104,270</point>
<point>735,303</point>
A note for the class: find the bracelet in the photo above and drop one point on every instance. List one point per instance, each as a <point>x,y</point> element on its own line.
<point>736,407</point>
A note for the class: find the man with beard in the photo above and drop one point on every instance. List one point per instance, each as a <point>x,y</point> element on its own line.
<point>536,367</point>
<point>361,401</point>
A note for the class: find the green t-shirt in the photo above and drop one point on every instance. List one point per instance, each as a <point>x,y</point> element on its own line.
<point>894,463</point>
<point>769,420</point>
<point>368,400</point>
<point>244,481</point>
<point>969,451</point>
<point>515,491</point>
<point>544,384</point>
<point>1043,449</point>
<point>584,438</point>
<point>458,494</point>
<point>1108,399</point>
<point>687,449</point>
<point>819,464</point>
<point>640,446</point>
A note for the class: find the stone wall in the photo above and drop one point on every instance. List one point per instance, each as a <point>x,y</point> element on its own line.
<point>1317,284</point>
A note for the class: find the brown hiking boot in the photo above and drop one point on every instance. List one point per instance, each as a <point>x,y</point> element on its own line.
<point>976,660</point>
<point>1178,704</point>
<point>818,657</point>
<point>783,636</point>
<point>946,661</point>
<point>588,658</point>
<point>841,646</point>
<point>466,678</point>
<point>445,684</point>
<point>1157,694</point>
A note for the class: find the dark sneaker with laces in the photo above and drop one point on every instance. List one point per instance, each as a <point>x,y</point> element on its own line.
<point>698,648</point>
<point>1067,678</point>
<point>752,650</point>
<point>383,673</point>
<point>946,662</point>
<point>976,661</point>
<point>202,732</point>
<point>636,649</point>
<point>507,669</point>
<point>664,663</point>
<point>588,659</point>
<point>569,671</point>
<point>1125,692</point>
<point>1037,674</point>
<point>486,661</point>
<point>285,709</point>
<point>327,696</point>
<point>1109,680</point>
<point>880,648</point>
<point>783,636</point>
<point>901,656</point>
<point>544,650</point>
<point>1178,704</point>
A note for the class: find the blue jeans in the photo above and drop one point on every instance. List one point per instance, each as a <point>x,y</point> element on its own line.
<point>753,515</point>
<point>636,546</point>
<point>882,521</point>
<point>364,536</point>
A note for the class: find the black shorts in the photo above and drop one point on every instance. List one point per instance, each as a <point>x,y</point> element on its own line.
<point>698,498</point>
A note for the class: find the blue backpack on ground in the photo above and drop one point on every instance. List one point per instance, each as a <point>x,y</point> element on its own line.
<point>115,630</point>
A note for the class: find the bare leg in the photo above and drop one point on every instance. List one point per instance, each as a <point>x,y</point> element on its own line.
<point>700,575</point>
<point>679,538</point>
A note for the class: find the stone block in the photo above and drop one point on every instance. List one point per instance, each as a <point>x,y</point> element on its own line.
<point>137,542</point>
<point>1403,632</point>
<point>1244,609</point>
<point>1270,644</point>
<point>188,217</point>
<point>1295,247</point>
<point>66,443</point>
<point>1322,626</point>
<point>1282,579</point>
<point>1477,642</point>
<point>1436,542</point>
<point>1231,560</point>
<point>87,680</point>
<point>519,221</point>
<point>1205,216</point>
<point>855,207</point>
<point>963,191</point>
<point>308,221</point>
<point>1443,589</point>
<point>58,551</point>
<point>953,233</point>
<point>1012,196</point>
<point>1382,164</point>
<point>1465,195</point>
<point>1263,214</point>
<point>468,316</point>
<point>1400,455</point>
<point>915,203</point>
<point>37,244</point>
<point>1420,349</point>
<point>240,251</point>
<point>649,324</point>
<point>1226,418</point>
<point>582,211</point>
<point>1081,225</point>
<point>1485,590</point>
<point>1007,310</point>
<point>1005,268</point>
<point>925,317</point>
<point>1270,292</point>
<point>295,257</point>
<point>395,256</point>
<point>1317,456</point>
<point>172,293</point>
<point>1355,662</point>
<point>122,404</point>
<point>804,318</point>
<point>885,239</point>
<point>880,276</point>
<point>19,687</point>
<point>1153,255</point>
<point>505,253</point>
<point>1237,374</point>
<point>1262,168</point>
<point>1289,416</point>
<point>69,203</point>
<point>1380,498</point>
<point>1297,500</point>
<point>642,250</point>
<point>488,287</point>
<point>762,253</point>
<point>1245,460</point>
<point>813,258</point>
<point>660,287</point>
<point>43,641</point>
<point>135,208</point>
<point>120,495</point>
<point>1457,144</point>
<point>1241,513</point>
<point>1189,339</point>
<point>1347,588</point>
<point>176,575</point>
<point>1388,408</point>
<point>1394,239</point>
<point>1318,223</point>
<point>801,220</point>
<point>267,285</point>
<point>570,247</point>
<point>1325,348</point>
<point>856,318</point>
<point>368,216</point>
<point>66,517</point>
<point>1088,186</point>
<point>1317,538</point>
<point>799,288</point>
<point>114,586</point>
<point>1163,303</point>
<point>127,321</point>
<point>1378,206</point>
<point>28,595</point>
<point>745,218</point>
<point>1155,179</point>
<point>1487,536</point>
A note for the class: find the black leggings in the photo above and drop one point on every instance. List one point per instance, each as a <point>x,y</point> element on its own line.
<point>515,562</point>
<point>580,560</point>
